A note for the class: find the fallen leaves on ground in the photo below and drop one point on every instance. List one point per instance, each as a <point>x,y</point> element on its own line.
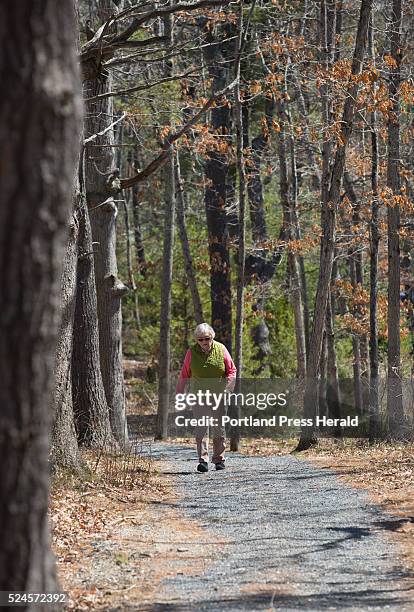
<point>84,513</point>
<point>267,447</point>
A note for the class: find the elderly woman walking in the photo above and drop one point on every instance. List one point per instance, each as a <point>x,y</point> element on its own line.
<point>208,365</point>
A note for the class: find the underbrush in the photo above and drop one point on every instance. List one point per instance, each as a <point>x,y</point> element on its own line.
<point>85,508</point>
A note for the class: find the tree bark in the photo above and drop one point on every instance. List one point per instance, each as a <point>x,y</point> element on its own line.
<point>359,341</point>
<point>64,448</point>
<point>254,180</point>
<point>308,434</point>
<point>323,374</point>
<point>356,345</point>
<point>185,245</point>
<point>305,137</point>
<point>374,248</point>
<point>332,387</point>
<point>164,382</point>
<point>165,316</point>
<point>241,242</point>
<point>319,332</point>
<point>109,292</point>
<point>296,264</point>
<point>131,276</point>
<point>89,401</point>
<point>259,332</point>
<point>216,169</point>
<point>297,235</point>
<point>101,182</point>
<point>39,136</point>
<point>394,387</point>
<point>286,194</point>
<point>136,192</point>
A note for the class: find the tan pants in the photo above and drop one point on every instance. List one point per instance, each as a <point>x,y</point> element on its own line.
<point>217,432</point>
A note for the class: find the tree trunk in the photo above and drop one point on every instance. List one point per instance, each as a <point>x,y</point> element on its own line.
<point>287,205</point>
<point>259,332</point>
<point>166,284</point>
<point>374,247</point>
<point>101,181</point>
<point>323,374</point>
<point>164,382</point>
<point>296,298</point>
<point>39,136</point>
<point>216,169</point>
<point>297,235</point>
<point>89,401</point>
<point>131,276</point>
<point>298,292</point>
<point>394,388</point>
<point>136,192</point>
<point>64,451</point>
<point>241,246</point>
<point>332,386</point>
<point>185,245</point>
<point>254,180</point>
<point>311,402</point>
<point>359,341</point>
<point>109,292</point>
<point>308,434</point>
<point>356,344</point>
<point>305,137</point>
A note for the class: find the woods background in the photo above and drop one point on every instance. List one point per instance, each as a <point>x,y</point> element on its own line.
<point>278,202</point>
<point>287,193</point>
<point>249,164</point>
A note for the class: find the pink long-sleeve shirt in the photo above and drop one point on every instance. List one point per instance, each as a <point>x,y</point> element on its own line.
<point>186,371</point>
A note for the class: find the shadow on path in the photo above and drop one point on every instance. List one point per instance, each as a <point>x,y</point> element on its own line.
<point>289,536</point>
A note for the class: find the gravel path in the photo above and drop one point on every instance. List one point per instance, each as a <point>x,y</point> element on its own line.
<point>288,536</point>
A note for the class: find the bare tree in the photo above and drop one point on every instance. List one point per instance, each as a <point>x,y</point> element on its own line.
<point>166,285</point>
<point>308,435</point>
<point>182,230</point>
<point>374,247</point>
<point>102,186</point>
<point>89,401</point>
<point>64,444</point>
<point>394,388</point>
<point>216,169</point>
<point>39,136</point>
<point>287,195</point>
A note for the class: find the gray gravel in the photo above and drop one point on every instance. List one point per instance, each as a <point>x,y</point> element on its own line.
<point>293,538</point>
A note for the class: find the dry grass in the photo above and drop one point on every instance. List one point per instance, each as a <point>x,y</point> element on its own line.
<point>266,447</point>
<point>85,511</point>
<point>118,536</point>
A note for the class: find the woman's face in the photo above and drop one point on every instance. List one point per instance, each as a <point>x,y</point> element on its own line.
<point>205,342</point>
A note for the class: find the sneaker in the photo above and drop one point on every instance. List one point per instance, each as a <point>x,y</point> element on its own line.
<point>220,465</point>
<point>202,466</point>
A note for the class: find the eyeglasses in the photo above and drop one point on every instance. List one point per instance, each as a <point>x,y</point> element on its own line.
<point>204,339</point>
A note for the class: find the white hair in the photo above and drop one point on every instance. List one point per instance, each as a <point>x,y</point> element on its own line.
<point>204,329</point>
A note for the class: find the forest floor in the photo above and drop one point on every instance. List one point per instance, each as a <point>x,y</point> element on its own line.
<point>330,529</point>
<point>271,532</point>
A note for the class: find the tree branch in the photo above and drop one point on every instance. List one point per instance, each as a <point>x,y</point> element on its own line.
<point>95,136</point>
<point>163,155</point>
<point>142,56</point>
<point>122,92</point>
<point>97,43</point>
<point>162,12</point>
<point>154,40</point>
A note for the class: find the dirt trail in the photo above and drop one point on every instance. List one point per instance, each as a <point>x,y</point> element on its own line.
<point>267,533</point>
<point>280,534</point>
